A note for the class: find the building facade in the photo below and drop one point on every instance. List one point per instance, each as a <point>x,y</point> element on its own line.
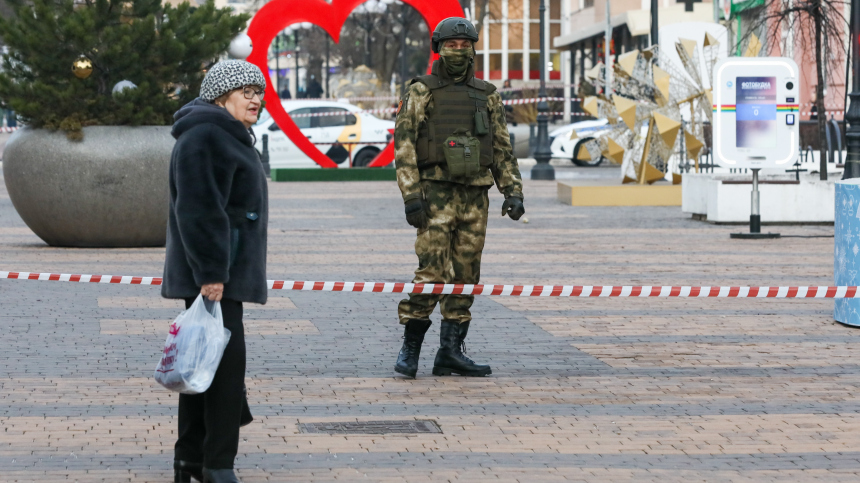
<point>585,23</point>
<point>509,45</point>
<point>630,20</point>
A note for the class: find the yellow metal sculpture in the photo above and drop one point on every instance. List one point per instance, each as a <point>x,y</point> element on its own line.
<point>655,102</point>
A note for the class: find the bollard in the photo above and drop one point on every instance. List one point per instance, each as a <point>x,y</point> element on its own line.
<point>265,156</point>
<point>532,139</point>
<point>837,137</point>
<point>846,248</point>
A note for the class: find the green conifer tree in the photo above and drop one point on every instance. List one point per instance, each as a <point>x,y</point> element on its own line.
<point>164,50</point>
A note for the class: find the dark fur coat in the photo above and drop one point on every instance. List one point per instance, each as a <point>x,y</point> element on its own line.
<point>218,207</point>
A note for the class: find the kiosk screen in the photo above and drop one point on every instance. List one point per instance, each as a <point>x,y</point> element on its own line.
<point>756,112</point>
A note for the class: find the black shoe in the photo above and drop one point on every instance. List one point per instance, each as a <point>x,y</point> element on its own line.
<point>219,476</point>
<point>413,337</point>
<point>450,358</point>
<point>183,471</point>
<point>246,418</point>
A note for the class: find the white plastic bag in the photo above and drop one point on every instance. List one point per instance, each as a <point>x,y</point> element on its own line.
<point>193,350</point>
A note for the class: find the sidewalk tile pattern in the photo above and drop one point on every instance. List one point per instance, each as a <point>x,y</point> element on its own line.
<point>613,390</point>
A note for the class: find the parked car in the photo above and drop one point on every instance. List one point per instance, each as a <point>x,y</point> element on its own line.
<point>345,123</point>
<point>563,147</point>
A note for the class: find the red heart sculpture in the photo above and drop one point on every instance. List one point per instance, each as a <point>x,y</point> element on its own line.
<point>277,15</point>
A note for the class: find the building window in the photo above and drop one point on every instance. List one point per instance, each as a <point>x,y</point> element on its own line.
<point>588,4</point>
<point>534,66</point>
<point>515,9</point>
<point>534,62</point>
<point>495,66</point>
<point>495,62</point>
<point>496,9</point>
<point>534,9</point>
<point>534,36</point>
<point>495,36</point>
<point>478,12</point>
<point>555,9</point>
<point>515,66</point>
<point>515,36</point>
<point>556,61</point>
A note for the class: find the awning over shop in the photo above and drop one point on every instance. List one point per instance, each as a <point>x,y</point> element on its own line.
<point>638,22</point>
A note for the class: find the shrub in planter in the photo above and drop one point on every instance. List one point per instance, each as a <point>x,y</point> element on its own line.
<point>75,67</point>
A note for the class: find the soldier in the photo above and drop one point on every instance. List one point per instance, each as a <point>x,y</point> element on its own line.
<point>450,143</point>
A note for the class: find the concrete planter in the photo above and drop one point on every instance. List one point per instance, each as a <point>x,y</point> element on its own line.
<point>109,190</point>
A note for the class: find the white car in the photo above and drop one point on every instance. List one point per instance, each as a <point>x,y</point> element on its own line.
<point>346,124</point>
<point>563,147</point>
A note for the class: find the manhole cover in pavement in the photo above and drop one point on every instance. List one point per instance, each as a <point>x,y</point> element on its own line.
<point>372,427</point>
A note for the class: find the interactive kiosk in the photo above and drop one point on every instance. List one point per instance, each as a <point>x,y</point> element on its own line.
<point>755,125</point>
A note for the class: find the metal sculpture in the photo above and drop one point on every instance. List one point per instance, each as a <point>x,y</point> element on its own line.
<point>653,102</point>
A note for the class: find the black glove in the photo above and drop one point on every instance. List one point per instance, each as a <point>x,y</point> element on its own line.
<point>513,207</point>
<point>415,214</point>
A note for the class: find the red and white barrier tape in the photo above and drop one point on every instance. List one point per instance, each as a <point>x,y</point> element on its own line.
<point>67,277</point>
<point>343,112</point>
<point>8,129</point>
<point>509,102</point>
<point>503,290</point>
<point>810,113</point>
<point>532,100</point>
<point>549,85</point>
<point>350,99</point>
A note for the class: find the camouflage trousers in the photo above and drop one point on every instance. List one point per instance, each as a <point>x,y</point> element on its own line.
<point>449,249</point>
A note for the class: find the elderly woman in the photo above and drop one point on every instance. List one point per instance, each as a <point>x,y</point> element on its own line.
<point>216,246</point>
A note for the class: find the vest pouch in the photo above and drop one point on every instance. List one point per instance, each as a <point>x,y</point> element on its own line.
<point>482,123</point>
<point>422,149</point>
<point>462,154</point>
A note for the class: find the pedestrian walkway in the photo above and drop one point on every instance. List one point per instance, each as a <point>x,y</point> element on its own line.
<point>582,389</point>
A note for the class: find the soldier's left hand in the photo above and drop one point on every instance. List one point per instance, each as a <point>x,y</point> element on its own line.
<point>513,207</point>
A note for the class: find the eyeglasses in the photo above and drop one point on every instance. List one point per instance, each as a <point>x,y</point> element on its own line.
<point>249,93</point>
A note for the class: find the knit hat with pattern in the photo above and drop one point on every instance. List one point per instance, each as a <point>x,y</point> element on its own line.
<point>227,75</point>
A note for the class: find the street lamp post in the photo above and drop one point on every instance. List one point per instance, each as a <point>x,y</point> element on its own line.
<point>296,55</point>
<point>327,68</point>
<point>655,24</point>
<point>403,61</point>
<point>278,64</point>
<point>852,115</point>
<point>542,170</point>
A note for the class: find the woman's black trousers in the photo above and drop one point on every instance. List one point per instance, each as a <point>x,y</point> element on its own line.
<point>209,422</point>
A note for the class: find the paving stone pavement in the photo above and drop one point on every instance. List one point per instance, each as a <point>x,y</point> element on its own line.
<point>582,389</point>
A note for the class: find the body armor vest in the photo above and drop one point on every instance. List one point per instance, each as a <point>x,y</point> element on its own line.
<point>455,108</point>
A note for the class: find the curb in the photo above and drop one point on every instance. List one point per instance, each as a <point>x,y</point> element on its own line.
<point>334,174</point>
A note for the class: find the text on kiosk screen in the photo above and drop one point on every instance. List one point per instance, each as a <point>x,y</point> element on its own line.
<point>756,112</point>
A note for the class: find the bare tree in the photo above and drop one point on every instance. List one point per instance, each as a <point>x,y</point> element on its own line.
<point>371,36</point>
<point>482,8</point>
<point>820,26</point>
<point>484,11</point>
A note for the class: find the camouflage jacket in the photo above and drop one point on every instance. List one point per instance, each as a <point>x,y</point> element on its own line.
<point>413,110</point>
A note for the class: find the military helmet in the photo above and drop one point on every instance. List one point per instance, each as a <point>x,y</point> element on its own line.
<point>453,28</point>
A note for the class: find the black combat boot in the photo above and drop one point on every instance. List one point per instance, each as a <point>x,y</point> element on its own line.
<point>450,358</point>
<point>413,337</point>
<point>183,471</point>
